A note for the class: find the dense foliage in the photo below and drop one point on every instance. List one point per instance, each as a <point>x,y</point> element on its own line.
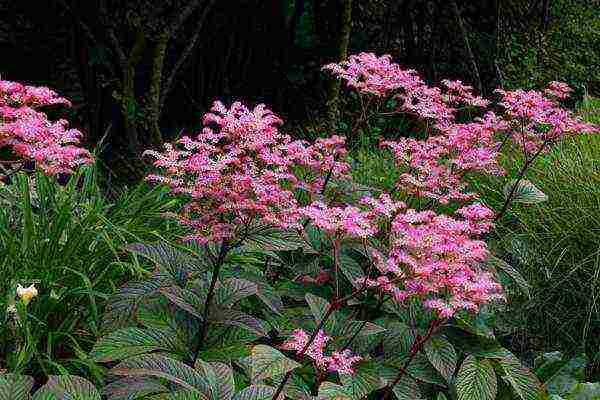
<point>295,281</point>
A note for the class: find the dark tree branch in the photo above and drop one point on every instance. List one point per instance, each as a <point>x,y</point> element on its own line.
<point>186,53</point>
<point>469,51</point>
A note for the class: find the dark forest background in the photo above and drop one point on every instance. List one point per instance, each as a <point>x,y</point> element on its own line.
<point>142,71</point>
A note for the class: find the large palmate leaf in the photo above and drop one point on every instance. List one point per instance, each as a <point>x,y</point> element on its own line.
<point>122,307</point>
<point>351,269</point>
<point>15,387</point>
<point>268,238</point>
<point>332,391</point>
<point>502,266</point>
<point>354,387</point>
<point>476,380</point>
<point>524,383</point>
<point>362,382</point>
<point>318,306</point>
<point>398,339</point>
<point>220,379</point>
<point>133,387</point>
<point>407,389</point>
<point>267,362</point>
<point>421,368</point>
<point>160,366</point>
<point>524,192</point>
<point>176,263</point>
<point>238,319</point>
<point>184,299</point>
<point>233,290</point>
<point>442,356</point>
<point>225,353</point>
<point>129,342</point>
<point>256,392</point>
<point>67,387</point>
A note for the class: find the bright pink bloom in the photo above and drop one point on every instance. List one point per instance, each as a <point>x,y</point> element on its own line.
<point>51,144</point>
<point>341,362</point>
<point>240,170</point>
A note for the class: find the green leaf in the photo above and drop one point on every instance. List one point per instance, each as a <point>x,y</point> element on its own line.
<point>442,356</point>
<point>407,389</point>
<point>123,306</point>
<point>160,366</point>
<point>67,387</point>
<point>318,306</point>
<point>351,269</point>
<point>184,299</point>
<point>233,290</point>
<point>227,353</point>
<point>220,379</point>
<point>584,391</point>
<point>524,383</point>
<point>354,387</point>
<point>15,387</point>
<point>524,192</point>
<point>331,391</point>
<point>177,263</point>
<point>133,387</point>
<point>129,342</point>
<point>238,319</point>
<point>256,392</point>
<point>362,382</point>
<point>500,265</point>
<point>266,362</point>
<point>268,238</point>
<point>476,380</point>
<point>421,368</point>
<point>441,396</point>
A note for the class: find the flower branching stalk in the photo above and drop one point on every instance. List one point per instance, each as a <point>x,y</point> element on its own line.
<point>416,348</point>
<point>241,167</point>
<point>203,331</point>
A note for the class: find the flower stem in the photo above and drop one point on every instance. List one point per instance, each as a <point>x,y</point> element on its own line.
<point>201,337</point>
<point>520,176</point>
<point>415,349</point>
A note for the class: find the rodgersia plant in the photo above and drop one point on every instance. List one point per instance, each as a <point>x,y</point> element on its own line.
<point>301,284</point>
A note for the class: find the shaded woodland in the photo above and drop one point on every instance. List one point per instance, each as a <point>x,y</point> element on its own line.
<point>141,71</point>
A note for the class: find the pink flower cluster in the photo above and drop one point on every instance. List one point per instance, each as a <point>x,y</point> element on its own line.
<point>241,170</point>
<point>436,167</point>
<point>379,76</point>
<point>341,362</point>
<point>536,120</point>
<point>51,144</point>
<point>351,221</point>
<point>438,258</point>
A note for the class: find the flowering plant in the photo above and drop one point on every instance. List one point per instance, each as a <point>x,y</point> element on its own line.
<point>31,135</point>
<point>379,294</point>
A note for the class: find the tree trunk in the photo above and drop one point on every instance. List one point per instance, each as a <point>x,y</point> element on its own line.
<point>154,94</point>
<point>128,101</point>
<point>468,50</point>
<point>342,53</point>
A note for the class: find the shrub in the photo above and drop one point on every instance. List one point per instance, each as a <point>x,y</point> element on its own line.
<point>299,282</point>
